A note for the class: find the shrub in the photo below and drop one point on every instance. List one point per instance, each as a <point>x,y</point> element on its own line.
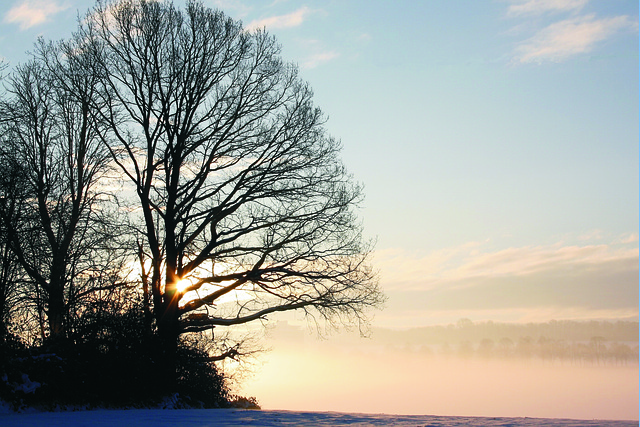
<point>108,362</point>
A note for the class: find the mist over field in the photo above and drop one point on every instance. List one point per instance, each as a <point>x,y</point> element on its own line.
<point>575,370</point>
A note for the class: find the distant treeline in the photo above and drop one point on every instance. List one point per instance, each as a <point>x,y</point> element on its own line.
<point>580,342</point>
<point>564,330</point>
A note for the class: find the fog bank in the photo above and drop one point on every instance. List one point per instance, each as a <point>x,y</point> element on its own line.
<point>348,374</point>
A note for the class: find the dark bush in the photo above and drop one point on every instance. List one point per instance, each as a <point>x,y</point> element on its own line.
<point>198,378</point>
<point>108,362</point>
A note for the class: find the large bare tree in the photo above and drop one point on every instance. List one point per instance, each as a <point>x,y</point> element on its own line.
<point>240,191</point>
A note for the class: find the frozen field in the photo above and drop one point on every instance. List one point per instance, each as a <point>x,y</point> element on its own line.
<point>234,417</point>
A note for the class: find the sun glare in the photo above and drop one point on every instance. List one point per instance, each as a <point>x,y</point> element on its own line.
<point>182,285</point>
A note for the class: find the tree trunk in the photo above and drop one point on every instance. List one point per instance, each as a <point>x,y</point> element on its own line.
<point>168,324</point>
<point>3,308</point>
<point>168,334</point>
<point>56,313</point>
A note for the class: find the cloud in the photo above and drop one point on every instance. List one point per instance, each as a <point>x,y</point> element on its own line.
<point>570,37</point>
<point>30,13</point>
<point>513,284</point>
<point>538,7</point>
<point>238,7</point>
<point>591,235</point>
<point>469,263</point>
<point>527,261</point>
<point>630,238</point>
<point>319,58</point>
<point>364,38</point>
<point>292,19</point>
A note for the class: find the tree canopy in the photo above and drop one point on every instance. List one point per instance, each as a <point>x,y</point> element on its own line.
<point>238,183</point>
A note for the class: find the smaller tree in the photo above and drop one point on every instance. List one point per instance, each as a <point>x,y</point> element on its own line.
<point>55,227</point>
<point>12,182</point>
<point>11,200</point>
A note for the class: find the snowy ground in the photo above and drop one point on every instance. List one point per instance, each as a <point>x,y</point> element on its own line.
<point>234,417</point>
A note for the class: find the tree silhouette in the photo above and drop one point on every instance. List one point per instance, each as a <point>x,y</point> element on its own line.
<point>240,189</point>
<point>506,346</point>
<point>53,159</point>
<point>10,184</point>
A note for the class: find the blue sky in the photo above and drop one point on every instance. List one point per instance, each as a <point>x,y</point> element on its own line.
<point>497,142</point>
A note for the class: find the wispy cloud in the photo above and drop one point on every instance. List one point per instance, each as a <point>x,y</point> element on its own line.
<point>569,37</point>
<point>538,7</point>
<point>30,13</point>
<point>292,19</point>
<point>527,261</point>
<point>364,38</point>
<point>591,235</point>
<point>236,6</point>
<point>560,281</point>
<point>630,238</point>
<point>470,262</point>
<point>319,58</point>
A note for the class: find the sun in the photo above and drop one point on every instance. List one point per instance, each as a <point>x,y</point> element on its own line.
<point>182,285</point>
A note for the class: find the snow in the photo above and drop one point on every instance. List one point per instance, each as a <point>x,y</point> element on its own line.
<point>26,386</point>
<point>235,417</point>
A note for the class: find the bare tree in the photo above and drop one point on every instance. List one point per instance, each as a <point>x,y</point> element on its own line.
<point>10,207</point>
<point>9,185</point>
<point>244,205</point>
<point>50,137</point>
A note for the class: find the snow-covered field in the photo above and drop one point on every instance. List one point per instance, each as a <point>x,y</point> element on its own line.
<point>234,417</point>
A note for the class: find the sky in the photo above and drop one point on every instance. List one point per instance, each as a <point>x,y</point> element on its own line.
<point>497,142</point>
